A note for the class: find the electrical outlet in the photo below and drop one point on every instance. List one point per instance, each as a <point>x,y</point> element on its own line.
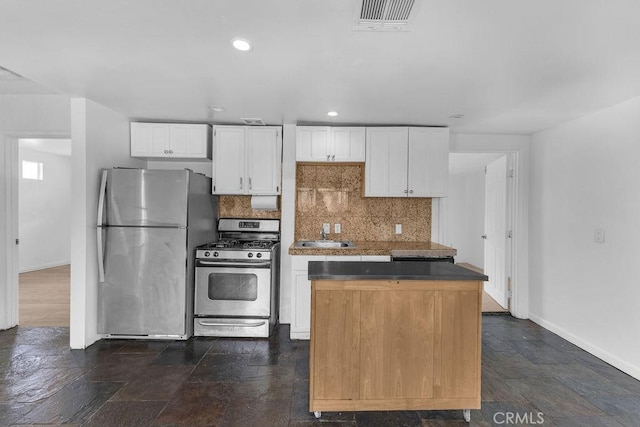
<point>598,235</point>
<point>337,228</point>
<point>398,228</point>
<point>326,227</point>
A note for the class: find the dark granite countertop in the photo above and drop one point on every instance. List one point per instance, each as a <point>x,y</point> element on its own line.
<point>399,270</point>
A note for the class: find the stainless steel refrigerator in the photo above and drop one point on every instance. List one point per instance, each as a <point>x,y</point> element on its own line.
<point>149,223</point>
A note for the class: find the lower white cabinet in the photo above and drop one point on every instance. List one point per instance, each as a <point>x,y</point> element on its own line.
<point>301,295</point>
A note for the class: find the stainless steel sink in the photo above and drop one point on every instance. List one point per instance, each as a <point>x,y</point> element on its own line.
<point>324,244</point>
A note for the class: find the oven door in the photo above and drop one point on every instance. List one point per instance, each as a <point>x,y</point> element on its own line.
<point>236,289</point>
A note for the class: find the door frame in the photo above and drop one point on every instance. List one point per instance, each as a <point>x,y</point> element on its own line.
<point>517,148</point>
<point>9,282</point>
<point>9,153</point>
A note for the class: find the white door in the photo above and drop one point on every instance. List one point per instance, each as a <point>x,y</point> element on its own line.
<point>347,144</point>
<point>188,140</point>
<point>495,237</point>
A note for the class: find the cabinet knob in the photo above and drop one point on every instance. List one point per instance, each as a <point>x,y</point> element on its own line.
<point>484,236</point>
<point>170,151</point>
<point>333,158</point>
<point>410,191</point>
<point>328,157</point>
<point>166,151</point>
<point>405,191</point>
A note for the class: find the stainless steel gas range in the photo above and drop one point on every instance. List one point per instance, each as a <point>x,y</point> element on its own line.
<point>238,279</point>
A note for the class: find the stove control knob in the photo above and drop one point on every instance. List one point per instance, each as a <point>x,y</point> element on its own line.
<point>250,255</point>
<point>207,253</point>
<point>258,255</point>
<point>216,253</point>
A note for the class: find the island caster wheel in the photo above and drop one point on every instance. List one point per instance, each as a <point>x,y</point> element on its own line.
<point>317,414</point>
<point>466,413</point>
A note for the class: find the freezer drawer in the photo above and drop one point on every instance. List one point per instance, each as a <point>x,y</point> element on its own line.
<point>145,284</point>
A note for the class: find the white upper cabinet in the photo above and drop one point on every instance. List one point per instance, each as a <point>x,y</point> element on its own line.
<point>247,160</point>
<point>170,140</point>
<point>406,162</point>
<point>330,144</point>
<point>263,159</point>
<point>347,144</point>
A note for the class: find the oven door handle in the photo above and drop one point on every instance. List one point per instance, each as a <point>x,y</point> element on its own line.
<point>234,264</point>
<point>231,323</point>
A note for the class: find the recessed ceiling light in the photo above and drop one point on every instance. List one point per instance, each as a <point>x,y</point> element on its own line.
<point>456,116</point>
<point>216,108</point>
<point>242,44</point>
<point>332,113</point>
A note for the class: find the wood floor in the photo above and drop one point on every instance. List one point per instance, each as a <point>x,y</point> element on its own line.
<point>44,297</point>
<point>489,305</point>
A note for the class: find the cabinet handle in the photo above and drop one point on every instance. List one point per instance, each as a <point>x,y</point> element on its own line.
<point>249,183</point>
<point>410,191</point>
<point>333,158</point>
<point>241,183</point>
<point>278,188</point>
<point>405,191</point>
<point>166,151</point>
<point>170,151</point>
<point>484,236</point>
<point>328,157</point>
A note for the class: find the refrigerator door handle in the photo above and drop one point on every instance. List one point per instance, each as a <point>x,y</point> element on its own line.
<point>103,191</point>
<point>100,255</point>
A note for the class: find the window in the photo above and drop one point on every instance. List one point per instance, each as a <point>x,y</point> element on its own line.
<point>32,170</point>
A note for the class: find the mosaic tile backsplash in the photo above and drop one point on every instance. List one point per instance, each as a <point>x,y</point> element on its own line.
<point>335,194</point>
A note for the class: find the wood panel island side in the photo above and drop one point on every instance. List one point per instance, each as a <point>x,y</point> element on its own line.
<point>394,336</point>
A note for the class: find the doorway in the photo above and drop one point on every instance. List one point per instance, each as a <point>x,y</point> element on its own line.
<point>478,211</point>
<point>44,200</point>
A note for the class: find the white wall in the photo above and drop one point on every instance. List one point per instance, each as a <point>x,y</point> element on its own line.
<point>465,217</point>
<point>20,115</point>
<point>45,212</point>
<point>585,176</point>
<point>100,139</point>
<point>203,167</point>
<point>34,115</point>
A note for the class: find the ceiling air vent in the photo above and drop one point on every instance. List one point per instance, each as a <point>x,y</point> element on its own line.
<point>253,122</point>
<point>383,15</point>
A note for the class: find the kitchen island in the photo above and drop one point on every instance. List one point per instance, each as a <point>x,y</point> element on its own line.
<point>394,336</point>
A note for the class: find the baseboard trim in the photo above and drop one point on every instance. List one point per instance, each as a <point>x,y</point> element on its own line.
<point>44,266</point>
<point>625,367</point>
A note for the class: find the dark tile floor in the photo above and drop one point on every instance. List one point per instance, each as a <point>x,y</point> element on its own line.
<point>529,376</point>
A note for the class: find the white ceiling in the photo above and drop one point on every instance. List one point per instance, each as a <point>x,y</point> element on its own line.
<point>510,66</point>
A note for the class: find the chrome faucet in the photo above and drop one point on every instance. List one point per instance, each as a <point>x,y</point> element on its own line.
<point>323,233</point>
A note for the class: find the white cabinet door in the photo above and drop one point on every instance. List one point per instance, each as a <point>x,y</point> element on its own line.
<point>312,144</point>
<point>428,162</point>
<point>263,148</point>
<point>189,140</point>
<point>347,144</point>
<point>149,139</point>
<point>301,296</point>
<point>229,161</point>
<point>386,162</point>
